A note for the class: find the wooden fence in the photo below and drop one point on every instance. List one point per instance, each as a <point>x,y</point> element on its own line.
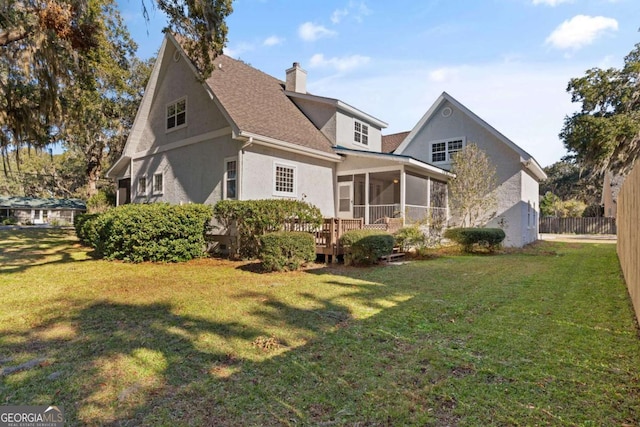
<point>595,225</point>
<point>629,235</point>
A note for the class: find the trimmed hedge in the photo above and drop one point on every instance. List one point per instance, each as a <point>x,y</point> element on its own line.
<point>85,225</point>
<point>365,247</point>
<point>153,232</point>
<point>286,250</point>
<point>254,218</point>
<point>489,238</point>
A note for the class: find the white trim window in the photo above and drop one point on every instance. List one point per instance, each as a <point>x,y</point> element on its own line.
<point>142,185</point>
<point>177,114</point>
<point>284,180</point>
<point>158,183</point>
<point>442,151</point>
<point>360,133</point>
<point>230,178</point>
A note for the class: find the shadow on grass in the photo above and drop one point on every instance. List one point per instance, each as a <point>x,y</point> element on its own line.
<point>409,360</point>
<point>22,249</point>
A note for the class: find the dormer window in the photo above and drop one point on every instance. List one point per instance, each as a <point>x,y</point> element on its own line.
<point>360,133</point>
<point>177,114</point>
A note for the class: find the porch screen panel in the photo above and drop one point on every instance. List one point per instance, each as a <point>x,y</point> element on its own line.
<point>417,190</point>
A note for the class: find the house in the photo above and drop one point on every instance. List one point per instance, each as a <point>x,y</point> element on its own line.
<point>447,127</point>
<point>242,134</point>
<point>32,210</point>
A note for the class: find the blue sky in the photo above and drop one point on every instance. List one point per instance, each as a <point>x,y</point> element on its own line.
<point>509,61</point>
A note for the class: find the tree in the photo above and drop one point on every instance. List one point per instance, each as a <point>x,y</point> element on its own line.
<point>471,194</point>
<point>568,180</point>
<point>605,133</point>
<point>64,65</point>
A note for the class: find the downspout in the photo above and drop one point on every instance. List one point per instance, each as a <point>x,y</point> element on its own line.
<point>241,167</point>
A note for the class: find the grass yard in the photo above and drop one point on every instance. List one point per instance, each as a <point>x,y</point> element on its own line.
<point>544,336</point>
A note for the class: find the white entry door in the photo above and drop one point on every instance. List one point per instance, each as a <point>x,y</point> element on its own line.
<point>345,200</point>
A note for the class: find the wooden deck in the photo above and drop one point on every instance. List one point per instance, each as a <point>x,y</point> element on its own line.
<point>328,237</point>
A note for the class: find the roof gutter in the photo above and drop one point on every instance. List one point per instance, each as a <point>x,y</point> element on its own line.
<point>407,160</point>
<point>252,138</point>
<point>532,166</point>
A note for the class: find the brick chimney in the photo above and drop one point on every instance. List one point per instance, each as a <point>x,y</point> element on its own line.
<point>296,79</point>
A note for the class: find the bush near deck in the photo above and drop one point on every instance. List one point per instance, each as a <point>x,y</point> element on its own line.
<point>468,238</point>
<point>154,232</point>
<point>254,218</point>
<point>365,247</point>
<point>287,250</point>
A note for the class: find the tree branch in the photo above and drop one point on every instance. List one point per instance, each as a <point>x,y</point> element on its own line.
<point>13,35</point>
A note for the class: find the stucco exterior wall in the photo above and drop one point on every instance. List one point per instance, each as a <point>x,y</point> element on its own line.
<point>323,116</point>
<point>191,174</point>
<point>175,81</point>
<point>315,180</point>
<point>515,188</point>
<point>345,133</point>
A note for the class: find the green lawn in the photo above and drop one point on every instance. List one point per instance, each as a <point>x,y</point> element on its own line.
<point>545,336</point>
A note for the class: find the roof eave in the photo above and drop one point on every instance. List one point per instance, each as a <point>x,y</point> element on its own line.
<point>255,138</point>
<point>339,104</point>
<point>407,160</point>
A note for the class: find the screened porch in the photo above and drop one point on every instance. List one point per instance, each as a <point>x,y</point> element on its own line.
<point>378,196</point>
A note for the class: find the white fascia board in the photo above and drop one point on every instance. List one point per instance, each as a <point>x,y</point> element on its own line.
<point>532,166</point>
<point>118,165</point>
<point>341,105</point>
<point>253,138</point>
<point>404,160</point>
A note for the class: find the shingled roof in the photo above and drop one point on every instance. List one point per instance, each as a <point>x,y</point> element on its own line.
<point>257,104</point>
<point>393,141</point>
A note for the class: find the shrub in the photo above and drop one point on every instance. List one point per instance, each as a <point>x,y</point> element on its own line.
<point>102,201</point>
<point>366,246</point>
<point>286,250</point>
<point>410,237</point>
<point>154,232</point>
<point>85,225</point>
<point>489,238</point>
<point>254,218</point>
<point>10,220</point>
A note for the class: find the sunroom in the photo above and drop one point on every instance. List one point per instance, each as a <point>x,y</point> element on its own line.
<point>380,186</point>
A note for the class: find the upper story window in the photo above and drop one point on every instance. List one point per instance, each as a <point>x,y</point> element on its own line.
<point>442,151</point>
<point>285,180</point>
<point>142,186</point>
<point>158,183</point>
<point>177,114</point>
<point>360,133</point>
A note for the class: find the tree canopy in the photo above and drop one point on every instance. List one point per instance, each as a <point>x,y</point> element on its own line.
<point>68,72</point>
<point>472,199</point>
<point>605,133</point>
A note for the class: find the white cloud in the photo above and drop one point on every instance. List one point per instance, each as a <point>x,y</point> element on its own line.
<point>238,49</point>
<point>551,3</point>
<point>310,31</point>
<point>356,9</point>
<point>361,9</point>
<point>338,14</point>
<point>580,31</point>
<point>344,63</point>
<point>440,75</point>
<point>273,41</point>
